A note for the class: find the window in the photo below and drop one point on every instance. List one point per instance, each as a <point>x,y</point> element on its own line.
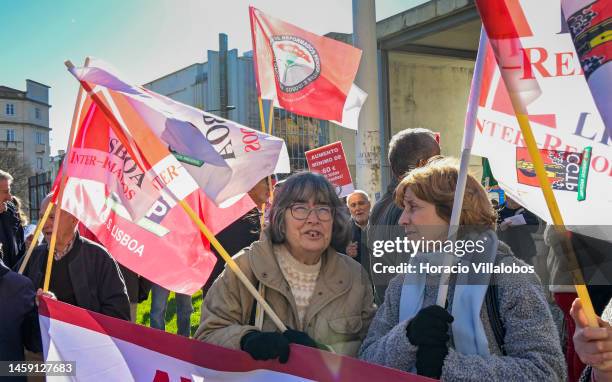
<point>39,163</point>
<point>37,113</point>
<point>10,109</point>
<point>40,138</point>
<point>10,135</point>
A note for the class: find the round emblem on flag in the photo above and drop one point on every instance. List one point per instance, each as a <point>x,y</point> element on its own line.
<point>296,62</point>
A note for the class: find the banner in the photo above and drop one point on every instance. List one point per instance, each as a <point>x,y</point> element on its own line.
<point>107,349</point>
<point>164,245</point>
<point>538,60</point>
<point>305,73</point>
<point>330,161</point>
<point>224,158</point>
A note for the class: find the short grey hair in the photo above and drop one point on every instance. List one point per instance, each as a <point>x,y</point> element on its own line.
<point>299,188</point>
<point>360,192</point>
<point>6,176</point>
<point>410,146</point>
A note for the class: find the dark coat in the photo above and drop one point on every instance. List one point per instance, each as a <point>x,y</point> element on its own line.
<point>234,238</point>
<point>383,225</point>
<point>519,237</point>
<point>11,236</point>
<point>96,279</point>
<point>18,316</point>
<point>359,236</point>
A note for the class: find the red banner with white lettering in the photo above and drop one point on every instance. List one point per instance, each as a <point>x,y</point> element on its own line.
<point>107,349</point>
<point>330,161</point>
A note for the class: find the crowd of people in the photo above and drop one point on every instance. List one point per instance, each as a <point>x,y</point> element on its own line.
<point>312,262</point>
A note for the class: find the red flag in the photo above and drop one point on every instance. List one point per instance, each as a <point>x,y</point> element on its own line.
<point>164,245</point>
<point>302,72</point>
<point>109,349</point>
<point>506,24</point>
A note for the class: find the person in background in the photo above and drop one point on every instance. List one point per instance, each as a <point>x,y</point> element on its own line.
<point>11,227</point>
<point>494,326</point>
<point>241,233</point>
<point>83,274</point>
<point>322,296</point>
<point>137,287</point>
<point>358,203</point>
<point>593,345</point>
<point>593,257</point>
<point>19,326</point>
<point>408,149</point>
<point>515,228</point>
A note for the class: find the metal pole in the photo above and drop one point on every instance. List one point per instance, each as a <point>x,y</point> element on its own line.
<point>367,150</point>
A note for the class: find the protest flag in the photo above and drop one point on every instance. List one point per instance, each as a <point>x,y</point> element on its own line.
<point>511,36</point>
<point>305,73</point>
<point>149,127</point>
<point>589,24</point>
<point>217,153</point>
<point>108,349</point>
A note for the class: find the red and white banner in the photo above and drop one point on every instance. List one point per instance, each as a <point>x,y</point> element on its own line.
<point>330,161</point>
<point>164,245</point>
<point>540,66</point>
<point>305,73</point>
<point>107,349</point>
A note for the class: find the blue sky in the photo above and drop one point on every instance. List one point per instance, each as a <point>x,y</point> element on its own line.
<point>143,39</point>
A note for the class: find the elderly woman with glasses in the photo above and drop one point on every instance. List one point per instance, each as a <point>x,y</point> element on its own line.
<point>322,296</point>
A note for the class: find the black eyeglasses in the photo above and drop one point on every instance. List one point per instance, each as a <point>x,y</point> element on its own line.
<point>302,211</point>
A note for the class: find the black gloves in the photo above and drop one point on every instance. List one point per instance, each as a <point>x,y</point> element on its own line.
<point>268,345</point>
<point>428,330</point>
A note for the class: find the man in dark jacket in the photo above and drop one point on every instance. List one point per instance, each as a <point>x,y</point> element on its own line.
<point>358,203</point>
<point>408,149</point>
<point>83,274</point>
<point>515,228</point>
<point>11,230</point>
<point>19,326</point>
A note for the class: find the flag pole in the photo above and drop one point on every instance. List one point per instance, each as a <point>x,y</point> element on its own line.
<point>553,208</point>
<point>262,220</point>
<point>62,184</point>
<point>114,124</point>
<point>468,140</point>
<point>232,264</point>
<point>37,231</point>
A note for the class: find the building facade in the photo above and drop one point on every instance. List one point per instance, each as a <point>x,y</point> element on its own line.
<point>24,124</point>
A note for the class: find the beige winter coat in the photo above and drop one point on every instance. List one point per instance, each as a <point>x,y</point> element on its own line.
<point>339,314</point>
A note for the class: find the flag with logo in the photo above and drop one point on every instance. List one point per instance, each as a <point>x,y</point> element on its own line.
<point>105,349</point>
<point>163,245</point>
<point>532,59</point>
<point>305,73</point>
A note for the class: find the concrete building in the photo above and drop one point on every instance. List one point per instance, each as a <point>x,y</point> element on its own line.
<point>427,55</point>
<point>24,124</point>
